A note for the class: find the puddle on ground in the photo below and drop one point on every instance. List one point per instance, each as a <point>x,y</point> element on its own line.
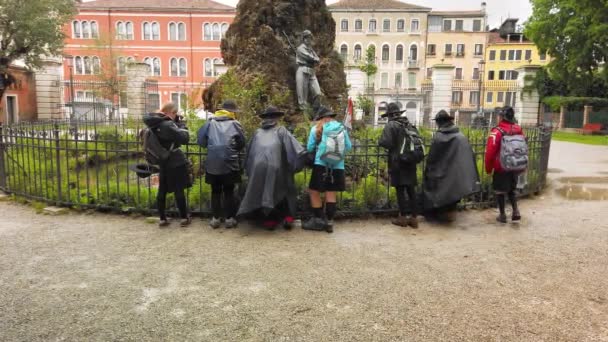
<point>551,170</point>
<point>584,180</point>
<point>580,192</point>
<point>603,172</point>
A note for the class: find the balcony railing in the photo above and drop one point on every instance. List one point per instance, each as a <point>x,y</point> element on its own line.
<point>413,64</point>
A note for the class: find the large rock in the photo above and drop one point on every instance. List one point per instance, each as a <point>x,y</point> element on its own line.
<point>256,46</point>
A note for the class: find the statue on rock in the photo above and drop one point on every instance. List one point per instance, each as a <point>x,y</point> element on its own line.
<point>260,59</point>
<point>307,85</point>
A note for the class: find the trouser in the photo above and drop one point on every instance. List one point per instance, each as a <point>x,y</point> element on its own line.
<point>500,199</point>
<point>307,86</point>
<point>402,202</point>
<point>228,209</point>
<point>180,200</point>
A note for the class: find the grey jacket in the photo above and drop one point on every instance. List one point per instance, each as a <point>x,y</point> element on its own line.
<point>224,139</point>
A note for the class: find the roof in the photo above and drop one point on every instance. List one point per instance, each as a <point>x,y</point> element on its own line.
<point>375,5</point>
<point>148,5</point>
<point>458,14</point>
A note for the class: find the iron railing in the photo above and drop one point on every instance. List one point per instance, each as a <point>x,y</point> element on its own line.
<point>87,166</point>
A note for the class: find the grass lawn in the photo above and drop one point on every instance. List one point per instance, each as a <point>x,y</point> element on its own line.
<point>581,139</point>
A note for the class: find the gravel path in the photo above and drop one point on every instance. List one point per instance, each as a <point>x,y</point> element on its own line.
<point>94,277</point>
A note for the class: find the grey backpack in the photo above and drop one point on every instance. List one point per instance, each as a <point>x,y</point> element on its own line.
<point>513,152</point>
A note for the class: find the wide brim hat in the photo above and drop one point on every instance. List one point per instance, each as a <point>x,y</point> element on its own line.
<point>144,170</point>
<point>443,115</point>
<point>392,109</point>
<point>229,105</point>
<point>271,111</point>
<point>324,112</point>
<point>507,113</point>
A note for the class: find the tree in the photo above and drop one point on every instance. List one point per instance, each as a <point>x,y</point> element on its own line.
<point>365,104</point>
<point>369,68</point>
<point>29,31</point>
<point>575,34</point>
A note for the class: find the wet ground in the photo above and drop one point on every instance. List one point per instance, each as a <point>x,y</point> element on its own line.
<point>92,277</point>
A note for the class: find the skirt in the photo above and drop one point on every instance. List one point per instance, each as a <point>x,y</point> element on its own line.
<point>504,182</point>
<point>324,179</point>
<point>173,179</point>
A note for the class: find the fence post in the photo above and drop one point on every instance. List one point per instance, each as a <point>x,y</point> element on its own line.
<point>58,161</point>
<point>2,166</point>
<point>586,113</point>
<point>562,117</point>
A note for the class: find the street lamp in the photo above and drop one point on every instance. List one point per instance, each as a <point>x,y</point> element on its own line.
<point>482,64</point>
<point>69,61</point>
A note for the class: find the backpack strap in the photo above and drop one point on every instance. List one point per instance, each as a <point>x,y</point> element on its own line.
<point>502,131</point>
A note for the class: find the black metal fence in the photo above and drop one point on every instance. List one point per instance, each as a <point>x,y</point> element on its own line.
<point>86,165</point>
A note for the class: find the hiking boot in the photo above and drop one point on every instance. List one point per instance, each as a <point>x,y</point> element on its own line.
<point>163,223</point>
<point>516,216</point>
<point>401,221</point>
<point>186,222</point>
<point>215,223</point>
<point>314,223</point>
<point>502,218</point>
<point>329,226</point>
<point>413,222</point>
<point>231,222</point>
<point>288,223</point>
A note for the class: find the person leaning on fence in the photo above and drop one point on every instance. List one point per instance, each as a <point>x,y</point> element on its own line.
<point>273,157</point>
<point>224,139</point>
<point>174,175</point>
<point>329,141</point>
<point>504,180</point>
<point>402,173</point>
<point>450,173</point>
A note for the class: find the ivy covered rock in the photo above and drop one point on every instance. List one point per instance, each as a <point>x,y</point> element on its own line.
<point>257,50</point>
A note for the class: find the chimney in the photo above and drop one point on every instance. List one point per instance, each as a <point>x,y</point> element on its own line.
<point>483,7</point>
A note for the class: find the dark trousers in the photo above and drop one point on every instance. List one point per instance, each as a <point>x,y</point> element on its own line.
<point>403,203</point>
<point>180,200</point>
<point>219,190</point>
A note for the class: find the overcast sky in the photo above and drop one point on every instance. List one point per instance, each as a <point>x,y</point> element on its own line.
<point>497,9</point>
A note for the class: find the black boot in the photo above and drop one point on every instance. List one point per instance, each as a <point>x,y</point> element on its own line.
<point>502,217</point>
<point>516,216</point>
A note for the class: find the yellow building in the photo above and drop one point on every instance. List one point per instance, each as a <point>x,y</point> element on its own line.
<point>507,50</point>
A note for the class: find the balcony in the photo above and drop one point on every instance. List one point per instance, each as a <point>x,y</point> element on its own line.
<point>413,64</point>
<point>460,54</point>
<point>448,53</point>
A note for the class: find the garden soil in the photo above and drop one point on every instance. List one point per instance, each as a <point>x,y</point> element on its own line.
<point>96,277</point>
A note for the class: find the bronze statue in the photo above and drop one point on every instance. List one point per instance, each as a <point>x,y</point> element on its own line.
<point>307,86</point>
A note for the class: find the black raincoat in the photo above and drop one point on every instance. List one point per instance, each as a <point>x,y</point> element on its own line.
<point>169,133</point>
<point>451,172</point>
<point>392,138</point>
<point>273,157</point>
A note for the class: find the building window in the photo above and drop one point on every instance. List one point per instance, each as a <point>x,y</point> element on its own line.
<point>386,25</point>
<point>448,49</point>
<point>384,80</point>
<point>491,75</point>
<point>511,55</point>
<point>456,97</point>
<point>431,50</point>
<point>429,72</point>
<point>492,55</point>
<point>528,55</point>
<point>478,49</point>
<point>411,80</point>
<point>459,25</point>
<point>344,25</point>
<point>151,31</point>
<point>476,25</point>
<point>413,53</point>
<point>398,80</point>
<point>415,26</point>
<point>207,35</point>
<point>85,29</point>
<point>490,97</point>
<point>78,69</point>
<point>518,55</point>
<point>475,73</point>
<point>87,65</point>
<point>180,99</point>
<point>474,98</point>
<point>400,25</point>
<point>358,25</point>
<point>153,102</point>
<point>224,29</point>
<point>177,31</point>
<point>124,30</point>
<point>543,56</point>
<point>385,53</point>
<point>511,75</point>
<point>344,51</point>
<point>178,67</point>
<point>217,62</point>
<point>154,65</point>
<point>94,30</point>
<point>399,54</point>
<point>501,75</point>
<point>76,29</point>
<point>217,33</point>
<point>458,73</point>
<point>500,97</point>
<point>372,26</point>
<point>447,25</point>
<point>357,54</point>
<point>208,68</point>
<point>503,55</point>
<point>510,97</point>
<point>122,64</point>
<point>460,50</point>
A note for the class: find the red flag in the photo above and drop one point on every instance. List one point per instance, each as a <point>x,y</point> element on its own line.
<point>348,118</point>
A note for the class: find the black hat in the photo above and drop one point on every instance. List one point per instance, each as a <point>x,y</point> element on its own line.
<point>507,113</point>
<point>230,105</point>
<point>391,109</point>
<point>323,112</point>
<point>144,170</point>
<point>271,111</point>
<point>442,115</point>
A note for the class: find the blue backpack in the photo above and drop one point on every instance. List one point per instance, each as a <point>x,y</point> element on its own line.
<point>332,147</point>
